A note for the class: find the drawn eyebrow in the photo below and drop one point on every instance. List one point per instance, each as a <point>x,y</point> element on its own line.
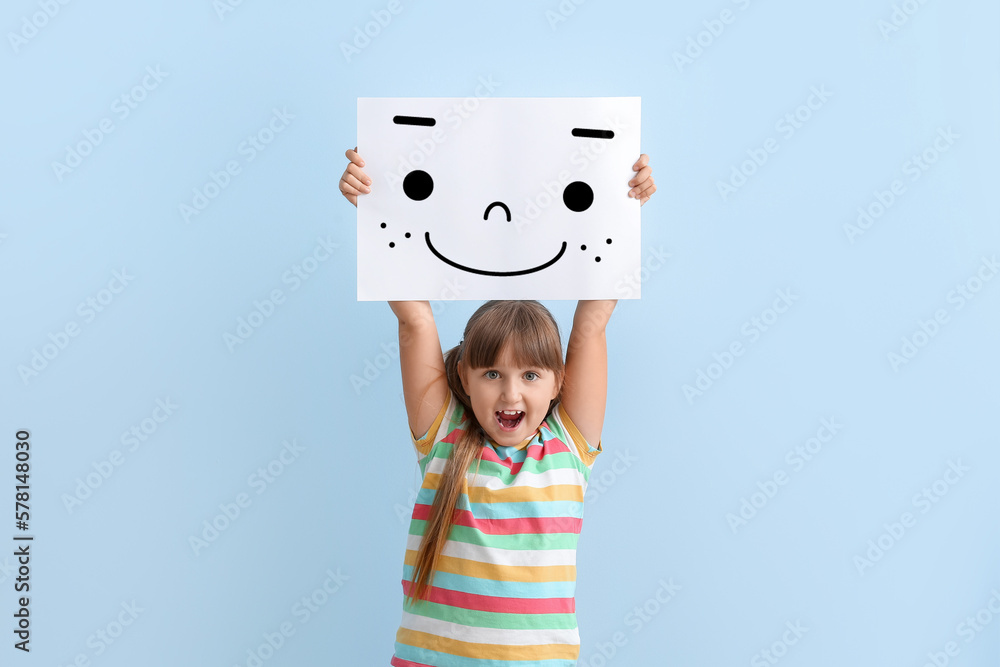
<point>413,120</point>
<point>593,134</point>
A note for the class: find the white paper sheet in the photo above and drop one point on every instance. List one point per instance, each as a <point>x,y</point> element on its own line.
<point>498,198</point>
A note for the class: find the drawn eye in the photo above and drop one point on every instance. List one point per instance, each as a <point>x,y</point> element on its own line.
<point>418,185</point>
<point>578,196</point>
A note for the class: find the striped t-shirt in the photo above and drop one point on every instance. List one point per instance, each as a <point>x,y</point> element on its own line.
<point>503,594</point>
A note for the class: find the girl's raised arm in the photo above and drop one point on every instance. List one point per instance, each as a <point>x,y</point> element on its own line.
<point>425,387</point>
<point>585,384</point>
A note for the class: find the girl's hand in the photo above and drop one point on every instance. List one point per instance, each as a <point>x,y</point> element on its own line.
<point>354,181</point>
<point>642,184</point>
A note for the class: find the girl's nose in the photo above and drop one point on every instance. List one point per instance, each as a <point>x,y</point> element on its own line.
<point>511,392</point>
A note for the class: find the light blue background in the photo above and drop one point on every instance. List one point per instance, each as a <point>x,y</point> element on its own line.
<point>342,504</point>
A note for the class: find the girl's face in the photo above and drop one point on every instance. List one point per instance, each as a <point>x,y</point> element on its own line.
<point>507,387</point>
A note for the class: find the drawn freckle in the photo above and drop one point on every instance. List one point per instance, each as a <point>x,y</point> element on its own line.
<point>391,244</point>
<point>597,259</point>
<point>583,247</point>
<point>382,225</point>
<point>407,234</point>
<point>609,241</point>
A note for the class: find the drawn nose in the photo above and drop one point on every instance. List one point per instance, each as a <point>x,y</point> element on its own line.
<point>486,216</point>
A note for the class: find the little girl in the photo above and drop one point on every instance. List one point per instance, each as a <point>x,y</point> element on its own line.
<point>490,567</point>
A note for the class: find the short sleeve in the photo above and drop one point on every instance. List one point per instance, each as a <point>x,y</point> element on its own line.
<point>424,443</point>
<point>587,452</point>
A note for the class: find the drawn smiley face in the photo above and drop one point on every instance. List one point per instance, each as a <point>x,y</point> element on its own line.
<point>514,198</point>
<point>577,196</point>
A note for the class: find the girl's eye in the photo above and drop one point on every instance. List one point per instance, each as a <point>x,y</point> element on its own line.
<point>493,375</point>
<point>533,374</point>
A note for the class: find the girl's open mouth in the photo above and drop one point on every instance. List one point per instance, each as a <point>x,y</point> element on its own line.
<point>509,422</point>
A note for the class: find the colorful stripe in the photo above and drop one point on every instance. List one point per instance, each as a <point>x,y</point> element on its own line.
<point>496,603</point>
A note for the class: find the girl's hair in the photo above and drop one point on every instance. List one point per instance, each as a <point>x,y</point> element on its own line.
<point>533,336</point>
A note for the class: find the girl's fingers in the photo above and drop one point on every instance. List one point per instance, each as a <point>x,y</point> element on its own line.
<point>354,181</point>
<point>349,184</point>
<point>641,176</point>
<point>643,189</point>
<point>353,156</point>
<point>349,191</point>
<point>357,185</point>
<point>646,192</point>
<point>642,162</point>
<point>358,173</point>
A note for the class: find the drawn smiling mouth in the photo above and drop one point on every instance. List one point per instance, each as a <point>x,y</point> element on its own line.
<point>484,272</point>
